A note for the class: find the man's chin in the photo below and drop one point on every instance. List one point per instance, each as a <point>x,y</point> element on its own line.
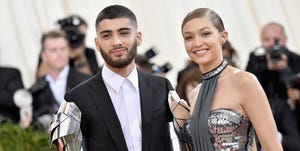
<point>60,67</point>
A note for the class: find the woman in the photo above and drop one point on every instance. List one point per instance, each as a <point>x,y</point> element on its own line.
<point>231,100</point>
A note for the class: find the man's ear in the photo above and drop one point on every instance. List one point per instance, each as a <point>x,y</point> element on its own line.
<point>96,40</point>
<point>43,57</point>
<point>139,38</point>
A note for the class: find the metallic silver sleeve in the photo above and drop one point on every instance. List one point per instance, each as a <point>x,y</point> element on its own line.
<point>65,127</point>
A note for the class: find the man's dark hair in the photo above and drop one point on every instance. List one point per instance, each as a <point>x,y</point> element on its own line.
<point>116,11</point>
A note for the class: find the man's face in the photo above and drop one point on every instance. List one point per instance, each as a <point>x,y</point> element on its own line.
<point>269,34</point>
<point>56,53</point>
<point>117,40</point>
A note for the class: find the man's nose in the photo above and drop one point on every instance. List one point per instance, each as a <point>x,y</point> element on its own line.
<point>117,41</point>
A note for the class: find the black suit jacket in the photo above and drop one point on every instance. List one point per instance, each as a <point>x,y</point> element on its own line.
<point>10,81</point>
<point>287,125</point>
<point>100,126</point>
<point>273,82</point>
<point>44,101</point>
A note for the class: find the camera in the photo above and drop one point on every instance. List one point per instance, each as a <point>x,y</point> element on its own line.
<point>152,52</point>
<point>144,63</point>
<point>294,81</point>
<point>71,26</point>
<point>276,51</point>
<point>162,69</point>
<point>259,57</point>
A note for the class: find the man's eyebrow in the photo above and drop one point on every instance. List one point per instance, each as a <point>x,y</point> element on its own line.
<point>124,28</point>
<point>105,31</point>
<point>109,31</point>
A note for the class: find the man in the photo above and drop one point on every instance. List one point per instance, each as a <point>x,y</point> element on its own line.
<point>10,81</point>
<point>48,92</point>
<point>82,58</point>
<point>123,108</point>
<point>270,69</point>
<point>293,91</point>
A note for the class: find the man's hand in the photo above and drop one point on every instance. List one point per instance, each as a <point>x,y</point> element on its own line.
<point>277,65</point>
<point>25,121</point>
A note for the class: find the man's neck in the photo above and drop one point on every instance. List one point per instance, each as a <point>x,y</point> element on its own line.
<point>54,73</point>
<point>125,71</point>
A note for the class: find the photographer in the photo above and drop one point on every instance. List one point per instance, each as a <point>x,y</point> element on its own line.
<point>82,58</point>
<point>293,91</point>
<point>273,63</point>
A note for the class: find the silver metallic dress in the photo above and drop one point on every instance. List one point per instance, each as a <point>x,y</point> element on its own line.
<point>229,131</point>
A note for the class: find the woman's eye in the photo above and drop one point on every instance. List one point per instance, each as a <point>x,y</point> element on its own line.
<point>205,34</point>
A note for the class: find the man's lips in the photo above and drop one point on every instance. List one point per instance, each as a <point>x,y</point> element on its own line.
<point>118,51</point>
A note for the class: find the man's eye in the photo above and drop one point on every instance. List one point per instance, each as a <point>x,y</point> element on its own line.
<point>105,36</point>
<point>188,38</point>
<point>125,33</point>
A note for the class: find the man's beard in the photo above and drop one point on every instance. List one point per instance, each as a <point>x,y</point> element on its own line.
<point>120,63</point>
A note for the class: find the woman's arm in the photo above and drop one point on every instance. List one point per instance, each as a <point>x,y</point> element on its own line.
<point>257,108</point>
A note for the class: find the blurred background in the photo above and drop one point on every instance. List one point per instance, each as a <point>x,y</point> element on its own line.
<point>23,22</point>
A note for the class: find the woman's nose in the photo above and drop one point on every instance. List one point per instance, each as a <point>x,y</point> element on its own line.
<point>198,41</point>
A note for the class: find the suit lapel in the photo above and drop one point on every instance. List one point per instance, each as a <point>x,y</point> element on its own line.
<point>71,81</point>
<point>146,97</point>
<point>102,100</point>
<point>146,107</point>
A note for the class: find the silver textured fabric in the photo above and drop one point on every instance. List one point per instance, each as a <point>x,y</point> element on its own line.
<point>65,127</point>
<point>229,131</point>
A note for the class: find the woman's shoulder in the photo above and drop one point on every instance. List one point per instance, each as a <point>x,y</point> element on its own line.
<point>242,77</point>
<point>245,83</point>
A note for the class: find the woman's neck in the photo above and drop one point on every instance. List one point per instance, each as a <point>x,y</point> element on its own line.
<point>215,70</point>
<point>205,68</point>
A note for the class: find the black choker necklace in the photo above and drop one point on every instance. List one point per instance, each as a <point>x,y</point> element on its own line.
<point>215,71</point>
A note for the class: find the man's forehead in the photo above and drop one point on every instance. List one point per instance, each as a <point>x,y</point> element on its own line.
<point>114,24</point>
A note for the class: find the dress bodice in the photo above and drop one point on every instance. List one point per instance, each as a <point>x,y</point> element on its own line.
<point>229,131</point>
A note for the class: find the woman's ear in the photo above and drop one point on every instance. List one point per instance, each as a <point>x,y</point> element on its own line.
<point>224,37</point>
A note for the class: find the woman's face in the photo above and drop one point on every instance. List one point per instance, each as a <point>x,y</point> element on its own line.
<point>202,40</point>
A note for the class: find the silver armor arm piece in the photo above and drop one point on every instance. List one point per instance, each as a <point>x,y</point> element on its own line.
<point>65,127</point>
